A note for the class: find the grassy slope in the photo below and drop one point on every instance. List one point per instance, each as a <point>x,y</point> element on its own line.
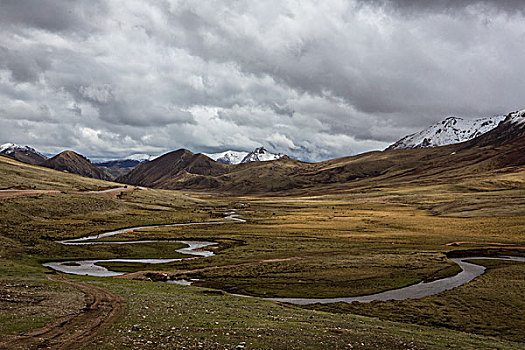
<point>16,174</point>
<point>376,238</point>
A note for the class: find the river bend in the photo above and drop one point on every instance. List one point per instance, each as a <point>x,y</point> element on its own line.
<point>469,271</point>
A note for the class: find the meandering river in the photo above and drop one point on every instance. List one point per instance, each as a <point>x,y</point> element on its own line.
<point>92,267</point>
<point>469,271</point>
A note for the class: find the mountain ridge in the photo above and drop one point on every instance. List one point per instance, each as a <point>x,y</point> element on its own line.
<point>75,163</point>
<point>451,130</point>
<point>502,147</point>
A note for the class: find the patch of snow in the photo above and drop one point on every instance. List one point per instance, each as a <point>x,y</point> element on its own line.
<point>261,155</point>
<point>228,157</point>
<point>140,157</point>
<point>10,148</point>
<point>517,118</point>
<point>449,131</point>
<point>236,157</point>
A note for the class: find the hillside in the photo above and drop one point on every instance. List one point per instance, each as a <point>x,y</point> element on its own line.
<point>15,174</point>
<point>500,148</point>
<point>72,162</point>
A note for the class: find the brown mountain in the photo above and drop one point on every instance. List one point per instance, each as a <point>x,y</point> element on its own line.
<point>176,170</point>
<point>75,163</point>
<point>503,147</point>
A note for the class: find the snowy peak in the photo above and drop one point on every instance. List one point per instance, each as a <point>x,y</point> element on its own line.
<point>10,148</point>
<point>449,131</point>
<point>261,155</point>
<point>140,157</point>
<point>23,154</point>
<point>516,118</point>
<point>228,157</point>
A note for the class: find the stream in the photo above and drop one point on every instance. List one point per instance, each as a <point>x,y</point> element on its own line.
<point>91,267</point>
<point>420,290</point>
<point>469,271</point>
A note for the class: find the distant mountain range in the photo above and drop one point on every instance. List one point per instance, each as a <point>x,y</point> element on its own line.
<point>112,169</point>
<point>501,147</point>
<point>237,157</point>
<point>449,131</point>
<point>491,143</point>
<point>123,166</point>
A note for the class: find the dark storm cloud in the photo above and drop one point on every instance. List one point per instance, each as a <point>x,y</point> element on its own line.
<point>510,6</point>
<point>312,79</point>
<point>377,70</point>
<point>51,15</point>
<point>23,68</point>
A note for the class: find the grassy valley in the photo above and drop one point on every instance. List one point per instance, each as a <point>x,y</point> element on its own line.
<point>357,240</point>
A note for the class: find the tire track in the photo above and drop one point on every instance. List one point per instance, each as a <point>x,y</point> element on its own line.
<point>102,310</point>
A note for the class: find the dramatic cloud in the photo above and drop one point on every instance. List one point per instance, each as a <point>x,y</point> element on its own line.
<point>312,79</point>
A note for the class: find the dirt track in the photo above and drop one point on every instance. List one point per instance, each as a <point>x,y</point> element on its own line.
<point>102,310</point>
<point>8,194</point>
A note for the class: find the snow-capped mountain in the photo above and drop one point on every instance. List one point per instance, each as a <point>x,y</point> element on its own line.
<point>512,128</point>
<point>261,155</point>
<point>228,157</point>
<point>24,154</point>
<point>10,148</point>
<point>516,118</point>
<point>140,157</point>
<point>449,131</point>
<point>236,157</point>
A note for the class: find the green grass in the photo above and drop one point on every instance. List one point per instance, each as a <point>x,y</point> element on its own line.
<point>161,315</point>
<point>488,305</point>
<point>354,242</point>
<point>11,324</point>
<point>29,301</point>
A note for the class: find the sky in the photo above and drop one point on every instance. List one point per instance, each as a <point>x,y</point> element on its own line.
<point>312,79</point>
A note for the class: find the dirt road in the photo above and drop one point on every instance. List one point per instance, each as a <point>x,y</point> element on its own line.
<point>102,310</point>
<point>112,192</point>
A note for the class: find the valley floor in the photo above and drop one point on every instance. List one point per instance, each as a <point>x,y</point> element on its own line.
<point>339,243</point>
